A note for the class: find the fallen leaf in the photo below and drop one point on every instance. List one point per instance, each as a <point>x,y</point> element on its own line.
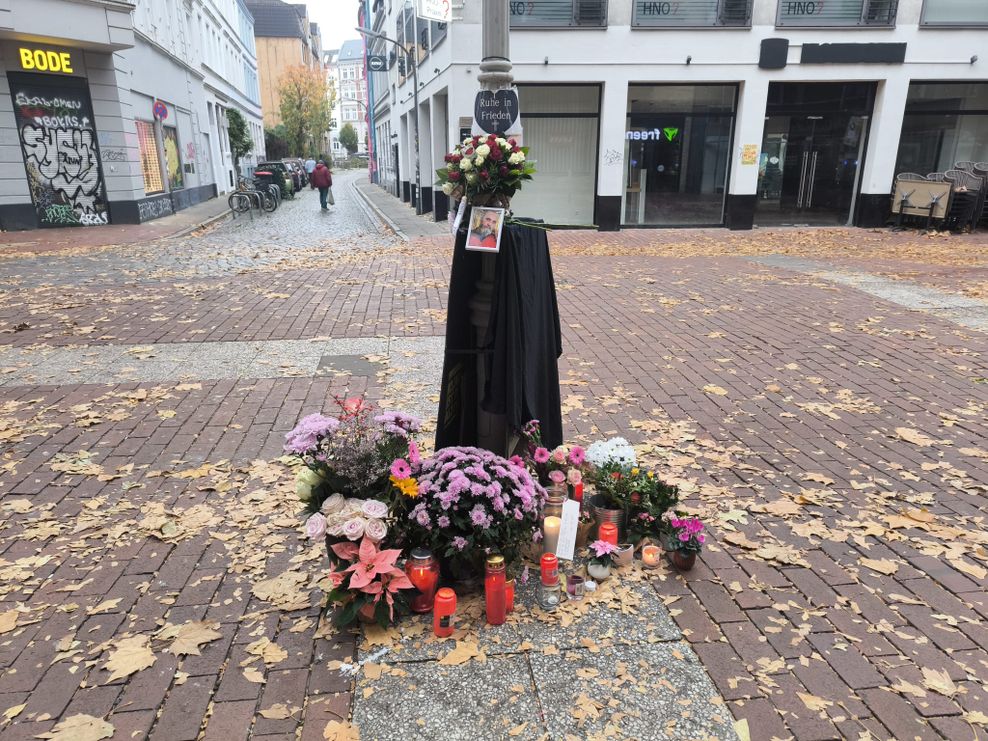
<point>716,390</point>
<point>253,675</point>
<point>881,565</point>
<point>278,711</point>
<point>974,570</point>
<point>105,606</point>
<point>939,681</point>
<point>188,637</point>
<point>914,436</point>
<point>79,727</point>
<point>464,651</point>
<point>519,729</point>
<point>8,621</point>
<point>814,703</point>
<point>130,656</point>
<point>338,730</point>
<point>13,711</point>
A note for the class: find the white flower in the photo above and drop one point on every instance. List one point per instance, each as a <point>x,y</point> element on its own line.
<point>467,142</point>
<point>466,164</point>
<point>374,509</point>
<point>516,157</point>
<point>315,526</point>
<point>303,490</point>
<point>308,476</point>
<point>478,160</point>
<point>447,188</point>
<point>334,504</point>
<point>501,142</point>
<point>376,530</point>
<point>354,529</point>
<point>472,178</point>
<point>483,150</point>
<point>335,529</point>
<point>616,450</point>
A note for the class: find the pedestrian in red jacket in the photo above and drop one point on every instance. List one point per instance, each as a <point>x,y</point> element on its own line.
<point>322,178</point>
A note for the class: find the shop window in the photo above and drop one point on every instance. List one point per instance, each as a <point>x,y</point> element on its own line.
<point>837,12</point>
<point>150,163</point>
<point>955,12</point>
<point>549,13</point>
<point>677,146</point>
<point>945,123</point>
<point>692,13</point>
<point>173,161</point>
<point>561,126</point>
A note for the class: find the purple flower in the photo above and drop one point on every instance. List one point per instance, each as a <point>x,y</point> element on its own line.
<point>308,431</point>
<point>422,518</point>
<point>459,543</point>
<point>443,521</point>
<point>398,423</point>
<point>577,455</point>
<point>414,457</point>
<point>479,516</point>
<point>400,469</point>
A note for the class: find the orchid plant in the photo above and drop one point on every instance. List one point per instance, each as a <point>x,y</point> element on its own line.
<point>371,579</point>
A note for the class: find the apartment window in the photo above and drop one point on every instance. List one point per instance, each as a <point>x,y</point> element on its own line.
<point>955,12</point>
<point>837,12</point>
<point>692,13</point>
<point>560,13</point>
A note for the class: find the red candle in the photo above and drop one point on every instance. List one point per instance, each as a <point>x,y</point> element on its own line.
<point>494,591</point>
<point>608,531</point>
<point>578,492</point>
<point>509,594</point>
<point>550,568</point>
<point>423,572</point>
<point>442,614</point>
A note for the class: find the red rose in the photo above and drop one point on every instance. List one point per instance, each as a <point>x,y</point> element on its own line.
<point>512,142</point>
<point>635,497</point>
<point>470,151</point>
<point>454,176</point>
<point>476,140</point>
<point>616,475</point>
<point>503,171</point>
<point>484,174</point>
<point>496,153</point>
<point>457,157</point>
<point>516,149</point>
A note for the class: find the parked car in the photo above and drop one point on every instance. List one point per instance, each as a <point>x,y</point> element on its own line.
<point>296,173</point>
<point>283,171</point>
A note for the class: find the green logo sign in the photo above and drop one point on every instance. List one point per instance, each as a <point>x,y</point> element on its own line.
<point>670,133</point>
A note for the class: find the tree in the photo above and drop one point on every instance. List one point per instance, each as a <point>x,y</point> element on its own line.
<point>305,109</point>
<point>276,142</point>
<point>240,140</point>
<point>348,138</point>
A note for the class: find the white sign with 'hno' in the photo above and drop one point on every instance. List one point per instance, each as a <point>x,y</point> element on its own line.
<point>435,10</point>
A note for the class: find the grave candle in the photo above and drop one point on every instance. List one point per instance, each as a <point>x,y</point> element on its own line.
<point>650,556</point>
<point>550,533</point>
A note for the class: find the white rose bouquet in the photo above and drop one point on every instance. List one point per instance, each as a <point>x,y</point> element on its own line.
<point>485,170</point>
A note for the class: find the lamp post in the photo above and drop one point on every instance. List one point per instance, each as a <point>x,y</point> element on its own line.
<point>415,85</point>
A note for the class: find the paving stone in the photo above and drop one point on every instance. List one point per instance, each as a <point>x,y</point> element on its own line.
<point>897,715</point>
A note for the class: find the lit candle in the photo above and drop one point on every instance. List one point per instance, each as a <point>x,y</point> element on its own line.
<point>608,531</point>
<point>650,556</point>
<point>550,533</point>
<point>578,492</point>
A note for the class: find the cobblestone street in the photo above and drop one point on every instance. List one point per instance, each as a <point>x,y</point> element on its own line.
<point>820,396</point>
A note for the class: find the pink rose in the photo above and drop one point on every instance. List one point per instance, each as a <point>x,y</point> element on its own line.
<point>354,529</point>
<point>376,530</point>
<point>559,456</point>
<point>557,477</point>
<point>315,526</point>
<point>373,509</point>
<point>574,477</point>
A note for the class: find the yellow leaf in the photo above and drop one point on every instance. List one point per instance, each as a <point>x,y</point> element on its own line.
<point>130,656</point>
<point>464,651</point>
<point>337,730</point>
<point>518,730</point>
<point>882,565</point>
<point>105,606</point>
<point>976,716</point>
<point>253,675</point>
<point>278,711</point>
<point>939,681</point>
<point>814,703</point>
<point>914,436</point>
<point>188,637</point>
<point>977,572</point>
<point>716,390</point>
<point>13,711</point>
<point>79,727</point>
<point>8,621</point>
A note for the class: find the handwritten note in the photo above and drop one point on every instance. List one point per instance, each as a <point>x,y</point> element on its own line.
<point>567,531</point>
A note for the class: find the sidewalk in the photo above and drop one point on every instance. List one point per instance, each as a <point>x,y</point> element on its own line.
<point>400,217</point>
<point>38,241</point>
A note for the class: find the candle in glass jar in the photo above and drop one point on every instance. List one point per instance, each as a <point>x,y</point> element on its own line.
<point>650,556</point>
<point>442,614</point>
<point>423,572</point>
<point>578,492</point>
<point>509,594</point>
<point>494,592</point>
<point>608,532</point>
<point>550,533</point>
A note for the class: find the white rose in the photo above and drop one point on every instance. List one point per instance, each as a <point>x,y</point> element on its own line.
<point>466,164</point>
<point>315,526</point>
<point>334,504</point>
<point>447,188</point>
<point>483,150</point>
<point>308,476</point>
<point>335,529</point>
<point>472,178</point>
<point>501,142</point>
<point>376,530</point>
<point>303,490</point>
<point>515,158</point>
<point>467,142</point>
<point>478,160</point>
<point>354,529</point>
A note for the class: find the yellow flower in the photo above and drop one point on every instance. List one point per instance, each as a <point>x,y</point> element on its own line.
<point>409,487</point>
<point>651,474</point>
<point>635,471</point>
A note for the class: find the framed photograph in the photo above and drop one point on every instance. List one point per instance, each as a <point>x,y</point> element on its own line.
<point>486,225</point>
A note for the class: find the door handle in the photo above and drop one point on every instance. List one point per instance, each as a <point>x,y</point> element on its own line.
<point>809,195</point>
<point>802,181</point>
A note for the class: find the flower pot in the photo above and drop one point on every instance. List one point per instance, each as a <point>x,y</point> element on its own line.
<point>583,531</point>
<point>602,514</point>
<point>625,554</point>
<point>682,560</point>
<point>599,571</point>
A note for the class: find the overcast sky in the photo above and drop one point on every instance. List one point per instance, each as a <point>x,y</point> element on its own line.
<point>336,19</point>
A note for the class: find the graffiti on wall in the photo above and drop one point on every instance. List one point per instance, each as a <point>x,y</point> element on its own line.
<point>58,140</point>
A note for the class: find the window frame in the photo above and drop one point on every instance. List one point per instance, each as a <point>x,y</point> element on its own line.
<point>923,23</point>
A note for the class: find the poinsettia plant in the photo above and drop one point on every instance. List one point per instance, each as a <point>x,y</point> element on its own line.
<point>371,582</point>
<point>486,170</point>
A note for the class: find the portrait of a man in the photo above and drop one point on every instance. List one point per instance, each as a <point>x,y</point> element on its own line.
<point>485,229</point>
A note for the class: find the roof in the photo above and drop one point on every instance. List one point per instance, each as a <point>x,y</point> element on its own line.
<point>275,18</point>
<point>351,51</point>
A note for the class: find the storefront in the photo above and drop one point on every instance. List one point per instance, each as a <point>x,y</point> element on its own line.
<point>57,135</point>
<point>560,124</point>
<point>945,123</point>
<point>813,146</point>
<point>676,154</point>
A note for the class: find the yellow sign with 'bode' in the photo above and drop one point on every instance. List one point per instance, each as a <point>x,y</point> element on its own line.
<point>46,61</point>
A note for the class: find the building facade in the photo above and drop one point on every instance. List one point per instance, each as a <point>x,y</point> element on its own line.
<point>284,38</point>
<point>351,94</point>
<point>225,31</point>
<point>734,113</point>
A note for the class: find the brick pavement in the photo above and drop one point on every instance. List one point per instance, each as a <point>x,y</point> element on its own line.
<point>843,594</point>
